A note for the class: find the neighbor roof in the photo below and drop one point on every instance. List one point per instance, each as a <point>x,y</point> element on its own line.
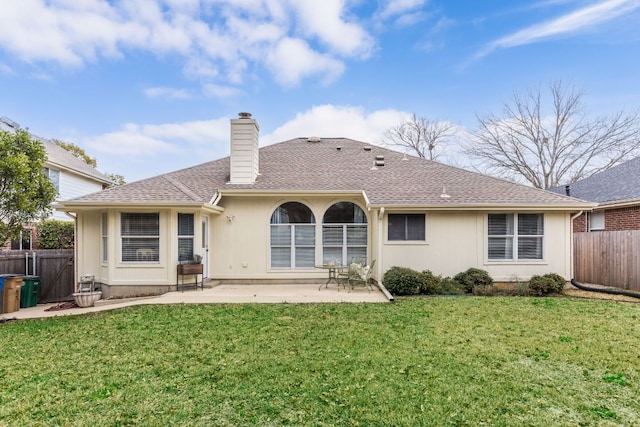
<point>620,183</point>
<point>334,165</point>
<point>58,156</point>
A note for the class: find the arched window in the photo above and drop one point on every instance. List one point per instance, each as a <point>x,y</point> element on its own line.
<point>344,233</point>
<point>293,236</point>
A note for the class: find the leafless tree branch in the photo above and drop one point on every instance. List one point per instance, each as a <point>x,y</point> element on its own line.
<point>420,136</point>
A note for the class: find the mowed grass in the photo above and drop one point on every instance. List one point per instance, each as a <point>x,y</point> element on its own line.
<point>436,361</point>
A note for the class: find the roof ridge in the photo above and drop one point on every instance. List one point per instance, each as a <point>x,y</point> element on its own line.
<point>182,187</point>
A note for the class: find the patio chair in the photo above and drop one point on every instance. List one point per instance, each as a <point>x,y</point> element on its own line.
<point>362,276</point>
<point>344,275</point>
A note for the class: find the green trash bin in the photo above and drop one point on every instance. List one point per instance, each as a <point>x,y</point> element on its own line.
<point>30,291</point>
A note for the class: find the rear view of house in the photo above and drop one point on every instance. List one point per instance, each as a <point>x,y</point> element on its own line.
<point>275,213</point>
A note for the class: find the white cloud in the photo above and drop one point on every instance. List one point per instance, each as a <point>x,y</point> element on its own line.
<point>402,12</point>
<point>293,60</point>
<point>217,40</point>
<point>571,23</point>
<point>337,121</point>
<point>220,91</point>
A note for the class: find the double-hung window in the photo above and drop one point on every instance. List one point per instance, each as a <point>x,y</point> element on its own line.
<point>186,232</point>
<point>515,236</point>
<point>405,227</point>
<point>140,234</point>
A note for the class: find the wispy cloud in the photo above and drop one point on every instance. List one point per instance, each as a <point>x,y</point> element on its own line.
<point>571,23</point>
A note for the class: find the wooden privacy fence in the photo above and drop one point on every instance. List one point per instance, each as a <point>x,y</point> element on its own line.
<point>54,267</point>
<point>609,258</point>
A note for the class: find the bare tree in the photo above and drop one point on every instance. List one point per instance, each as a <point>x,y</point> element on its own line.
<point>560,147</point>
<point>420,135</point>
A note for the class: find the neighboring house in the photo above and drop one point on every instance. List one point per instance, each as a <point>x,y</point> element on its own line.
<point>71,175</point>
<point>272,214</point>
<point>617,192</point>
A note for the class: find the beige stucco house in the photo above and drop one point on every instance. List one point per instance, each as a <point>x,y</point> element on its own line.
<point>275,213</point>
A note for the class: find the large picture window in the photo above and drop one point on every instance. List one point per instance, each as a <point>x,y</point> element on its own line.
<point>293,237</point>
<point>405,227</point>
<point>140,233</point>
<point>515,236</point>
<point>344,234</point>
<point>186,231</point>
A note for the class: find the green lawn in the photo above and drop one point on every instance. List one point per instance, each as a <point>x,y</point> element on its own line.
<point>438,361</point>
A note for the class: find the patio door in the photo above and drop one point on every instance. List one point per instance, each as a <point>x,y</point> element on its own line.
<point>204,238</point>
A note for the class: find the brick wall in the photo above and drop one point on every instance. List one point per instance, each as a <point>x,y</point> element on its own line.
<point>620,219</point>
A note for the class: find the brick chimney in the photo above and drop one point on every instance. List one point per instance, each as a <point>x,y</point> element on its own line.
<point>244,149</point>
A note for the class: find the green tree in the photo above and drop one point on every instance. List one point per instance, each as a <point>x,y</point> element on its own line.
<point>116,179</point>
<point>26,193</point>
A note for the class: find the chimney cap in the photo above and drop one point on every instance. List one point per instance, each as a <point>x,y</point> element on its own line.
<point>244,115</point>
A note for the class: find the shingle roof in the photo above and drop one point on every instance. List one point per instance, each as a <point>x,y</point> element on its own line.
<point>58,156</point>
<point>619,183</point>
<point>336,164</point>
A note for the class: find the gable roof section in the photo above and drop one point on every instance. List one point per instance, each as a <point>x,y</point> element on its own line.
<point>64,159</point>
<point>617,184</point>
<point>337,165</point>
<point>58,156</point>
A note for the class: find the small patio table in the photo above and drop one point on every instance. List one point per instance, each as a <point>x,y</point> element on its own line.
<point>333,270</point>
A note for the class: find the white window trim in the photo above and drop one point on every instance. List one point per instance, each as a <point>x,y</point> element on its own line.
<point>515,236</point>
<point>292,245</point>
<point>122,237</point>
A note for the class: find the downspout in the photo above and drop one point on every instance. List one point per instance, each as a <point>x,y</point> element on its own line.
<point>76,277</point>
<point>605,291</point>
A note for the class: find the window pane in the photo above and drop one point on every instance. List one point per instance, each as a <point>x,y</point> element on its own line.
<point>186,225</point>
<point>185,249</point>
<point>292,213</point>
<point>344,213</point>
<point>356,254</point>
<point>332,235</point>
<point>356,235</point>
<point>396,227</point>
<point>305,257</point>
<point>500,224</point>
<point>305,235</point>
<point>530,248</point>
<point>596,220</point>
<point>140,249</point>
<point>140,224</point>
<point>530,225</point>
<point>500,248</point>
<point>415,227</point>
<point>280,257</point>
<point>280,235</point>
<point>332,255</point>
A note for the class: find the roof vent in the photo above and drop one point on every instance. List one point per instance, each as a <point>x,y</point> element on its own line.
<point>338,148</point>
<point>379,160</point>
<point>367,148</point>
<point>314,139</point>
<point>244,115</point>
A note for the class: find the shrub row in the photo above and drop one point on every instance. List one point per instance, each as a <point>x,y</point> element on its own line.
<point>406,281</point>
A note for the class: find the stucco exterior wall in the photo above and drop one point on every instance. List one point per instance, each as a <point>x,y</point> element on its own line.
<point>239,245</point>
<point>456,241</point>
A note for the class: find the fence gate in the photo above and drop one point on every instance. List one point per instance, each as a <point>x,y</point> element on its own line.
<point>54,267</point>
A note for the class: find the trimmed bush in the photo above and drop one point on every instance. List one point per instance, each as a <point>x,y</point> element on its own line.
<point>550,283</point>
<point>54,234</point>
<point>450,286</point>
<point>402,281</point>
<point>430,283</point>
<point>473,277</point>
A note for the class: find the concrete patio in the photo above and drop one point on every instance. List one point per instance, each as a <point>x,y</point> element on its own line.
<point>226,293</point>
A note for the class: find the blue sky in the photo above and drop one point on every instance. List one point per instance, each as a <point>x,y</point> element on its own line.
<point>149,86</point>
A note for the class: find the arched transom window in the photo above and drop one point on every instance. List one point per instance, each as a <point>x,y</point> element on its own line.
<point>293,236</point>
<point>344,233</point>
